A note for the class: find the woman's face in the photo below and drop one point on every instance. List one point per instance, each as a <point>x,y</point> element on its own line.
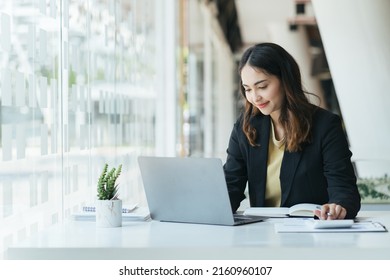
<point>263,91</point>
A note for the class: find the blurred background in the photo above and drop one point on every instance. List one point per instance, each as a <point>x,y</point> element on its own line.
<point>88,82</point>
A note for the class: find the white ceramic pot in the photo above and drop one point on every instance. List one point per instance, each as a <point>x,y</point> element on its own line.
<point>109,213</point>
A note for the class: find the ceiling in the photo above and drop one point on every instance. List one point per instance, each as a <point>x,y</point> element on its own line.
<point>246,22</point>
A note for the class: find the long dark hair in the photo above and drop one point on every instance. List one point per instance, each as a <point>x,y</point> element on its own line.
<point>296,113</point>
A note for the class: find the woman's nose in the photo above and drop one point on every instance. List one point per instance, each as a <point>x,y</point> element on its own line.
<point>256,96</point>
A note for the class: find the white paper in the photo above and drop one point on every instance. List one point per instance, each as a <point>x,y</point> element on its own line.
<point>301,209</point>
<point>273,212</point>
<point>139,214</point>
<point>291,225</point>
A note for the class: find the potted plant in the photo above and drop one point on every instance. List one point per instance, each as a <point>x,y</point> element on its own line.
<point>108,205</point>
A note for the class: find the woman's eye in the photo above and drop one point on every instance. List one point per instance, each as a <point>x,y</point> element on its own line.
<point>263,87</point>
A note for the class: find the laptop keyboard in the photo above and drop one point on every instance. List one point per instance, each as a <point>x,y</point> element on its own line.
<point>243,219</point>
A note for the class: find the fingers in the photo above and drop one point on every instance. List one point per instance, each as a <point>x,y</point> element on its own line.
<point>331,211</point>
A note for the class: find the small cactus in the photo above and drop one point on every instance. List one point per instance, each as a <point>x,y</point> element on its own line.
<point>107,188</point>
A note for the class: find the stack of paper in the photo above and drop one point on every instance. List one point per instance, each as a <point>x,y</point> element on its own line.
<point>138,214</point>
<point>307,225</point>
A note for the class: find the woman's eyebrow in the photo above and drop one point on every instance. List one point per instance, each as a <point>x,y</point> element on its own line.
<point>255,84</point>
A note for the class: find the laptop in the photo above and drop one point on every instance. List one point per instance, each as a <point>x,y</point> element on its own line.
<point>188,190</point>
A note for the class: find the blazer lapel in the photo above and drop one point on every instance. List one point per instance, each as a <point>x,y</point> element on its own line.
<point>287,171</point>
<point>259,156</point>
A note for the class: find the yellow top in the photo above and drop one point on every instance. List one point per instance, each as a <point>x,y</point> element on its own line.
<point>275,155</point>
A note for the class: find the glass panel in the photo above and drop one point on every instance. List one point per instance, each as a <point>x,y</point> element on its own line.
<point>30,152</point>
<point>77,91</point>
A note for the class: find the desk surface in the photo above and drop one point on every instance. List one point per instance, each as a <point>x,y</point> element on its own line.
<point>160,240</point>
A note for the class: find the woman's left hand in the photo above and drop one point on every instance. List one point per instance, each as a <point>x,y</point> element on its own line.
<point>331,211</point>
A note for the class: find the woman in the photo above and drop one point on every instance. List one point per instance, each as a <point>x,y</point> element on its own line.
<point>288,150</point>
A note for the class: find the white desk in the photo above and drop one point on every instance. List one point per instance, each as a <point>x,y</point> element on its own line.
<point>169,241</point>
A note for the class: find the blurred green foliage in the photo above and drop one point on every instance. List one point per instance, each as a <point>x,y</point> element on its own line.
<point>374,189</point>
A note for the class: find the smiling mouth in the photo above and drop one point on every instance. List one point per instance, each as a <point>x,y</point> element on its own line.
<point>260,106</point>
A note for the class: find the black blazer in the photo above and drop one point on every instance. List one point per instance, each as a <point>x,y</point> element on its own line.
<point>321,173</point>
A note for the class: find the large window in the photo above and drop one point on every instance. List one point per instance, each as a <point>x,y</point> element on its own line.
<point>77,90</point>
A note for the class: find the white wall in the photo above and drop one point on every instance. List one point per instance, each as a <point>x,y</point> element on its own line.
<point>356,38</point>
<point>297,44</point>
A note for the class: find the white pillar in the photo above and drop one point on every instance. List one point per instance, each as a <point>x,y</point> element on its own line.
<point>208,86</point>
<point>166,90</point>
<point>356,39</point>
<point>297,44</point>
<point>224,98</point>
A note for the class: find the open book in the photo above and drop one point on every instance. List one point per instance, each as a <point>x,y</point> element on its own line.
<point>298,210</point>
